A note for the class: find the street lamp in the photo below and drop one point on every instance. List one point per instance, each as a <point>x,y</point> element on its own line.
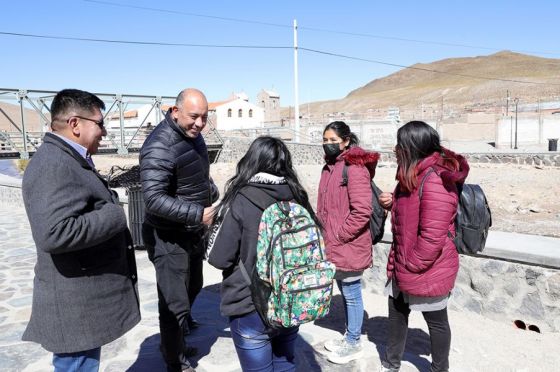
<point>516,100</point>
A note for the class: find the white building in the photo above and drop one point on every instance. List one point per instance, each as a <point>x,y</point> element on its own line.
<point>232,114</point>
<point>236,114</point>
<point>134,118</point>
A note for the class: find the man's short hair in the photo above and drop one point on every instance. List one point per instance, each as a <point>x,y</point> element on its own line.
<point>68,100</point>
<point>180,98</point>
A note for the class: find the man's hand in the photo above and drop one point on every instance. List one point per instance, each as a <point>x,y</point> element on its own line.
<point>208,216</point>
<point>386,200</point>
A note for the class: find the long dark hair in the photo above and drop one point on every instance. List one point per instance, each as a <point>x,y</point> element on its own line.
<point>343,131</point>
<point>416,140</point>
<point>269,155</point>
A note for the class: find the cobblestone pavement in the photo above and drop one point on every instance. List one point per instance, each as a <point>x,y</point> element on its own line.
<point>479,344</point>
<point>138,350</point>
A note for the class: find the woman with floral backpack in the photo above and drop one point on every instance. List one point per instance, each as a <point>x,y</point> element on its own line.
<point>267,166</point>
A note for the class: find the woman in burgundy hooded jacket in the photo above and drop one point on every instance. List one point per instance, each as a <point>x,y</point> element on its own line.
<point>344,211</point>
<point>423,261</point>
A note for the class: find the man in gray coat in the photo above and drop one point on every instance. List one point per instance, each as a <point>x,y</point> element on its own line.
<point>85,292</point>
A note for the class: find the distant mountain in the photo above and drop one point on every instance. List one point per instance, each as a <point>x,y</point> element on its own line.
<point>12,113</point>
<point>456,83</point>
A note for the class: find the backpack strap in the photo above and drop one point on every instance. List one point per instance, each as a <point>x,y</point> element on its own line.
<point>423,181</point>
<point>244,272</point>
<point>420,194</point>
<point>344,181</point>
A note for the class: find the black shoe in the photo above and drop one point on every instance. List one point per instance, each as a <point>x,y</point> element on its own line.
<point>190,351</point>
<point>179,368</point>
<point>190,325</point>
<point>193,323</point>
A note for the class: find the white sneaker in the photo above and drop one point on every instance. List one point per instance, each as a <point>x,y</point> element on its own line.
<point>346,353</point>
<point>332,345</point>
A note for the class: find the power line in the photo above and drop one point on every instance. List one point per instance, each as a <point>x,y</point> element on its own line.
<point>143,42</point>
<point>239,20</point>
<point>268,47</point>
<point>422,69</point>
<point>316,29</point>
<point>419,41</point>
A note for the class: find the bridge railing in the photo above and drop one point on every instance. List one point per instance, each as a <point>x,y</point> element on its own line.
<point>129,119</point>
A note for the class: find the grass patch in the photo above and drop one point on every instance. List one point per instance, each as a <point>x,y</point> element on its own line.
<point>21,164</point>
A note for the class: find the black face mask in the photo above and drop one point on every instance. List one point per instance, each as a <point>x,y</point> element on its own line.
<point>332,150</point>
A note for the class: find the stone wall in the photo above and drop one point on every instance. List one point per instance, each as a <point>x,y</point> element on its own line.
<point>235,148</point>
<point>551,159</point>
<point>497,289</point>
<point>10,192</point>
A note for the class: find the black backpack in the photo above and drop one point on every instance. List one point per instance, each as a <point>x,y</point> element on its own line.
<point>473,218</point>
<point>378,214</point>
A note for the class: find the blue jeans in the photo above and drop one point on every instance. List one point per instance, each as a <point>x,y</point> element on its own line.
<point>82,361</point>
<point>259,348</point>
<point>353,307</point>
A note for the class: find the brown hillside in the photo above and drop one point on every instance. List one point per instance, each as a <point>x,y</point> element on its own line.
<point>9,112</point>
<point>458,84</point>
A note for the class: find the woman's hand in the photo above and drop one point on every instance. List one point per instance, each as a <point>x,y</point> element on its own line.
<point>386,200</point>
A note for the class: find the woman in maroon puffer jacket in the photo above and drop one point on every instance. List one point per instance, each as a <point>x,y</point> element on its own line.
<point>344,212</point>
<point>423,261</point>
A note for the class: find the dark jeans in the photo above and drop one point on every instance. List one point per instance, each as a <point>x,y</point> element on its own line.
<point>259,350</point>
<point>440,335</point>
<point>178,261</point>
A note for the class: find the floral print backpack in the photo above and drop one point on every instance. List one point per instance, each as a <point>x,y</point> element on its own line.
<point>292,281</point>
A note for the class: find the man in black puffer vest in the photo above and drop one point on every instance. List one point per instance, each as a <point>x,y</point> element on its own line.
<point>178,193</point>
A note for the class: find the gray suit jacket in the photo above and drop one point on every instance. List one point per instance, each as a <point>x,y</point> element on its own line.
<point>85,292</point>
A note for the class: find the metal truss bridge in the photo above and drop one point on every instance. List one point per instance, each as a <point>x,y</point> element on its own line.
<point>25,117</point>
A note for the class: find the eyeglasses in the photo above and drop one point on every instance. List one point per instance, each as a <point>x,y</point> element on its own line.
<point>100,123</point>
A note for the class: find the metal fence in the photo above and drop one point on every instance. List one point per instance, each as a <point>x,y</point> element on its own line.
<point>25,118</point>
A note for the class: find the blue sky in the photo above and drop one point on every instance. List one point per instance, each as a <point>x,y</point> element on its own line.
<point>35,63</point>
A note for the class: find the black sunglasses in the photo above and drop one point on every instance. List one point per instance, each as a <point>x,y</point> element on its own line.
<point>100,123</point>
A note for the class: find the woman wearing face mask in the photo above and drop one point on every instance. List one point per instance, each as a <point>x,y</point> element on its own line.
<point>344,209</point>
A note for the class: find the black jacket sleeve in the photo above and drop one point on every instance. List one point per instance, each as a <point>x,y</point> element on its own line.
<point>157,174</point>
<point>214,192</point>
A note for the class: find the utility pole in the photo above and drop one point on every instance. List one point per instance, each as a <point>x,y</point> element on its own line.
<point>296,83</point>
<point>516,100</point>
<point>507,103</point>
<point>540,121</point>
<point>510,132</point>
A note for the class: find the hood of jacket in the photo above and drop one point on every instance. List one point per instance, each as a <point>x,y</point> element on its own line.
<point>276,187</point>
<point>447,174</point>
<point>357,156</point>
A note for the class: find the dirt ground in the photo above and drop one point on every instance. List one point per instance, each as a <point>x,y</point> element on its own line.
<point>523,199</point>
